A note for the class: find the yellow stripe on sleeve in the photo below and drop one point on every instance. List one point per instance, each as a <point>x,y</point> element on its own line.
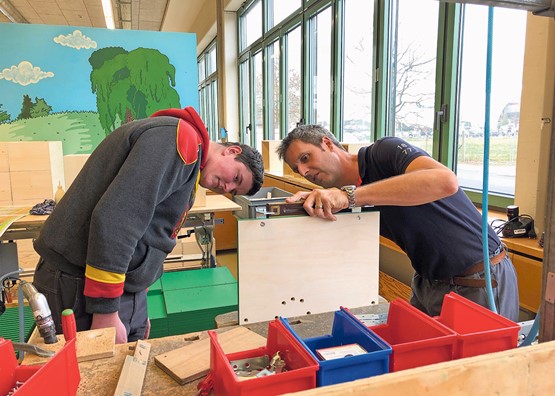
<point>103,276</point>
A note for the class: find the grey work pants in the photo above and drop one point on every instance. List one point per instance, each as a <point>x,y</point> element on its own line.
<point>427,295</point>
<point>63,291</point>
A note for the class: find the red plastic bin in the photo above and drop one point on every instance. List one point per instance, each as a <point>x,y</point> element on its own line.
<point>300,374</point>
<point>57,377</point>
<point>478,329</point>
<point>416,339</point>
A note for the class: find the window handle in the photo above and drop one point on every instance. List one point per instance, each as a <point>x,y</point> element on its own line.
<point>441,115</point>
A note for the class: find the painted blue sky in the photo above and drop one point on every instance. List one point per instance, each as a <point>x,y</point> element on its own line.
<point>53,63</point>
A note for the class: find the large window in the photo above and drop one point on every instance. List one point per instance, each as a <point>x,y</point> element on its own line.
<point>208,89</point>
<point>358,71</point>
<point>507,61</point>
<point>408,68</point>
<point>293,78</point>
<point>413,70</point>
<point>319,60</point>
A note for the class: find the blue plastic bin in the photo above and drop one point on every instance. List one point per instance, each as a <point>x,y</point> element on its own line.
<point>347,330</point>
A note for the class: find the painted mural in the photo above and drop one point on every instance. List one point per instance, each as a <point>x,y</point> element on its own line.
<point>78,84</point>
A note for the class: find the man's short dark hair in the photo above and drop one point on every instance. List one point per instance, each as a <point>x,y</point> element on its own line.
<point>252,159</point>
<point>311,134</point>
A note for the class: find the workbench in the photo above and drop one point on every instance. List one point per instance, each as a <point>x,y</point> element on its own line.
<point>24,230</point>
<point>519,371</point>
<point>100,377</point>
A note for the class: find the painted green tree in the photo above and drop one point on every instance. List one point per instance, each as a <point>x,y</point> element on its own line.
<point>26,107</point>
<point>131,85</point>
<point>4,115</point>
<point>40,108</point>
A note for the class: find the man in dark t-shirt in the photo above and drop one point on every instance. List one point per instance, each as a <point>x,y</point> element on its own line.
<point>422,209</point>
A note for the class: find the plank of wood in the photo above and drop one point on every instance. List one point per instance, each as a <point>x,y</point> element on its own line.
<point>133,372</point>
<point>518,371</point>
<point>91,345</point>
<point>314,265</point>
<point>192,361</point>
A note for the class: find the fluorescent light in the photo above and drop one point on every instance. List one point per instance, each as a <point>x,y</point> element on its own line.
<point>108,15</point>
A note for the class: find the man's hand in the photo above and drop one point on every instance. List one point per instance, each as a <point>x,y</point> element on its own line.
<point>102,321</point>
<point>322,203</point>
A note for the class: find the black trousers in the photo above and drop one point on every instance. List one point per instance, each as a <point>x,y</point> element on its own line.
<point>63,290</point>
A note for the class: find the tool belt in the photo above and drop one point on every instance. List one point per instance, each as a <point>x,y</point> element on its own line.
<point>462,280</point>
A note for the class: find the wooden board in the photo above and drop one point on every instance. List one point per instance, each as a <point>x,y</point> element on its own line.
<point>133,372</point>
<point>192,361</point>
<point>293,266</point>
<point>519,371</point>
<point>91,345</point>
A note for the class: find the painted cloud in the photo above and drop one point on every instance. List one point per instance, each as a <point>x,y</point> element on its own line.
<point>24,74</point>
<point>75,40</point>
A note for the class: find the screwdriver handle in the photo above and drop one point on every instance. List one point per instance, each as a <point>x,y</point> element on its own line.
<point>68,324</point>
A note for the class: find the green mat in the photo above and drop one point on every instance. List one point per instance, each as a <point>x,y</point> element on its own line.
<point>9,324</point>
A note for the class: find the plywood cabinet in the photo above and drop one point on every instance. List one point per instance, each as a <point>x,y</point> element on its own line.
<point>529,275</point>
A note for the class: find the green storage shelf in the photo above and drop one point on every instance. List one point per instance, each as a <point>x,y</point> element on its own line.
<point>186,301</point>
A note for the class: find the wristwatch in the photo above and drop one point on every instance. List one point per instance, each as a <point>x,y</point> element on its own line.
<point>350,190</point>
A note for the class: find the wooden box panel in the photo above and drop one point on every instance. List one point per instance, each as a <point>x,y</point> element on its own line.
<point>299,265</point>
<point>5,187</point>
<point>73,163</point>
<point>32,185</point>
<point>35,156</point>
<point>4,163</point>
<point>272,163</point>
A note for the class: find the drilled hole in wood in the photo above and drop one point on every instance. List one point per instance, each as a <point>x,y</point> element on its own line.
<point>245,320</point>
<point>301,300</point>
<point>283,303</point>
<point>308,312</point>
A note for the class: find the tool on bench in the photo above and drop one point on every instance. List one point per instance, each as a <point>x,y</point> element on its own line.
<point>30,348</point>
<point>41,313</point>
<point>285,209</point>
<point>295,208</point>
<point>68,324</point>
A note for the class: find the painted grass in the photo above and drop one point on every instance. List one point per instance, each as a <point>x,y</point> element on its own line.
<point>79,132</point>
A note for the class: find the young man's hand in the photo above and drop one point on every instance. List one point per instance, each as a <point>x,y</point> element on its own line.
<point>102,321</point>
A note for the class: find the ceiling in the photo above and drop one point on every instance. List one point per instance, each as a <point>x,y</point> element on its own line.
<point>128,14</point>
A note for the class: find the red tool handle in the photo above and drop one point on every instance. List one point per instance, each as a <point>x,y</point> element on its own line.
<point>68,324</point>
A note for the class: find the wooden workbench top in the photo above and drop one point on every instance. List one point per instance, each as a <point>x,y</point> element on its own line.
<point>100,377</point>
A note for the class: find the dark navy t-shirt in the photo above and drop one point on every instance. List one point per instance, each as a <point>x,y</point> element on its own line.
<point>442,238</point>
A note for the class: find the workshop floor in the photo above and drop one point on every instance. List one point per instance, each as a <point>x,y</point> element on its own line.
<point>228,258</point>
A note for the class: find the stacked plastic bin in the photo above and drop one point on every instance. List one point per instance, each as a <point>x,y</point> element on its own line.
<point>416,338</point>
<point>300,374</point>
<point>478,329</point>
<point>59,376</point>
<point>346,330</point>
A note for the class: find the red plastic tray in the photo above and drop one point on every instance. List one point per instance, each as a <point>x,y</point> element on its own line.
<point>301,374</point>
<point>58,377</point>
<point>478,329</point>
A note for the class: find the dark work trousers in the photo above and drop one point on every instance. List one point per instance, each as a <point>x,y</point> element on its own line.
<point>427,295</point>
<point>63,291</point>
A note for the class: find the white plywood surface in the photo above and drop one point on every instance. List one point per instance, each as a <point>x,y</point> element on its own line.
<point>292,266</point>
